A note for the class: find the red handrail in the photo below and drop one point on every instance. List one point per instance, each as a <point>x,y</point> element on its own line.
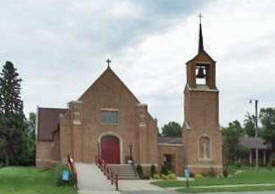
<point>71,166</point>
<point>107,171</point>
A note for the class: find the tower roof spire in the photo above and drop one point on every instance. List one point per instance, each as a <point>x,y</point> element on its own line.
<point>201,48</point>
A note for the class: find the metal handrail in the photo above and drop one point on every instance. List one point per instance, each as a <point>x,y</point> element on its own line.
<point>107,171</point>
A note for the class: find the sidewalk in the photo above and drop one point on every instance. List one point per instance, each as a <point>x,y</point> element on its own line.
<point>92,181</point>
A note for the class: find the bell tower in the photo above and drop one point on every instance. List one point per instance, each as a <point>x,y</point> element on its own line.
<point>201,131</point>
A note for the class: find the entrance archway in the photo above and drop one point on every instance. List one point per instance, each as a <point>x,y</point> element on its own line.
<point>110,149</point>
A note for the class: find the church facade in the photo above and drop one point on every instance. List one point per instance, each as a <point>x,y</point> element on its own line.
<point>107,120</point>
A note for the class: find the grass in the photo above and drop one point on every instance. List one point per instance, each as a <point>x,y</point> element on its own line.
<point>238,176</point>
<point>232,189</point>
<point>30,180</point>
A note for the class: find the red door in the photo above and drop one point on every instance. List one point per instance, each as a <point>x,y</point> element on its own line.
<point>110,151</point>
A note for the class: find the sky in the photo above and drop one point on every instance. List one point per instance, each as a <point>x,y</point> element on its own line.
<point>60,48</point>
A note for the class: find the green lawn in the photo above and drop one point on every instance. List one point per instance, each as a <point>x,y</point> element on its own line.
<point>30,180</point>
<point>233,189</point>
<point>244,175</point>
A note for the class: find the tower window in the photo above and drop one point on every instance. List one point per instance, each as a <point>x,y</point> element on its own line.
<point>201,74</point>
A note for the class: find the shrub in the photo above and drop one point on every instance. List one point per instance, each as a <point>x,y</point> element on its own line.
<point>211,173</point>
<point>269,167</point>
<point>153,170</point>
<point>59,174</point>
<point>164,170</point>
<point>198,176</point>
<point>172,176</point>
<point>239,165</point>
<point>164,177</point>
<point>140,171</point>
<point>225,173</point>
<point>156,176</point>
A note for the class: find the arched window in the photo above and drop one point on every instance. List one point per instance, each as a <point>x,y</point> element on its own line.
<point>204,148</point>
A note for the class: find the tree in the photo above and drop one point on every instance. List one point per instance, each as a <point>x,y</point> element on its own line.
<point>267,117</point>
<point>11,113</point>
<point>231,136</point>
<point>28,155</point>
<point>172,129</point>
<point>249,125</point>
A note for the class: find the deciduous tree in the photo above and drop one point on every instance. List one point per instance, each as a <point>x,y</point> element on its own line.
<point>172,129</point>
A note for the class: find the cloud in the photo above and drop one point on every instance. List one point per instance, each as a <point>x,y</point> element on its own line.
<point>60,48</point>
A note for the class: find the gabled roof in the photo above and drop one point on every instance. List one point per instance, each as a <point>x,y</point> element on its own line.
<point>169,140</point>
<point>202,52</point>
<point>109,70</point>
<point>253,142</point>
<point>48,122</point>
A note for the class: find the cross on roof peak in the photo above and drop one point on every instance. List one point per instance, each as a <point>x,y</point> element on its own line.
<point>200,16</point>
<point>108,61</point>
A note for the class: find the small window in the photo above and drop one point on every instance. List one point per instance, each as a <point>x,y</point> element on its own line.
<point>109,117</point>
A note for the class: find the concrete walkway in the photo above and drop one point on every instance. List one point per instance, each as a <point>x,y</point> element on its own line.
<point>92,181</point>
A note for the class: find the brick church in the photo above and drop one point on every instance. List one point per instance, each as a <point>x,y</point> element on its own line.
<point>107,120</point>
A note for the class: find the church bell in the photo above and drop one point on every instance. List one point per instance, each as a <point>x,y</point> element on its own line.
<point>201,73</point>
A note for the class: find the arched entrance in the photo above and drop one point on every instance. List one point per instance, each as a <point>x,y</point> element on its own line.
<point>110,149</point>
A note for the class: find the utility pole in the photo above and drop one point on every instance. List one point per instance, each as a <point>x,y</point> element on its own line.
<point>256,131</point>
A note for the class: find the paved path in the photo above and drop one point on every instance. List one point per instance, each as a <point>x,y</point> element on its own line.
<point>92,181</point>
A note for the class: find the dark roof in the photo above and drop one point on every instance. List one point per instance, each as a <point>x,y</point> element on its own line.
<point>48,122</point>
<point>252,142</point>
<point>201,48</point>
<point>170,140</point>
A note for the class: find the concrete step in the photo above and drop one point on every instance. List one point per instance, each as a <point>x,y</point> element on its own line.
<point>124,171</point>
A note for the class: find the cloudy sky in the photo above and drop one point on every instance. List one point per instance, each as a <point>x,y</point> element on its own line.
<point>60,48</point>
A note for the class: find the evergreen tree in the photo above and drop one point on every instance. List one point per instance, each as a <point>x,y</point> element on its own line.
<point>28,155</point>
<point>11,114</point>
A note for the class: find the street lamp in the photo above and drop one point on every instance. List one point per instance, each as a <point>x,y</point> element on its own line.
<point>256,129</point>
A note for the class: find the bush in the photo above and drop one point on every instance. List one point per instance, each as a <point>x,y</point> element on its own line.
<point>140,171</point>
<point>211,173</point>
<point>225,173</point>
<point>269,167</point>
<point>164,170</point>
<point>156,176</point>
<point>153,170</point>
<point>172,176</point>
<point>198,176</point>
<point>239,165</point>
<point>59,174</point>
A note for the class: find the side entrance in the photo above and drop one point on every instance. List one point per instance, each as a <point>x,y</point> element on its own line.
<point>110,149</point>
